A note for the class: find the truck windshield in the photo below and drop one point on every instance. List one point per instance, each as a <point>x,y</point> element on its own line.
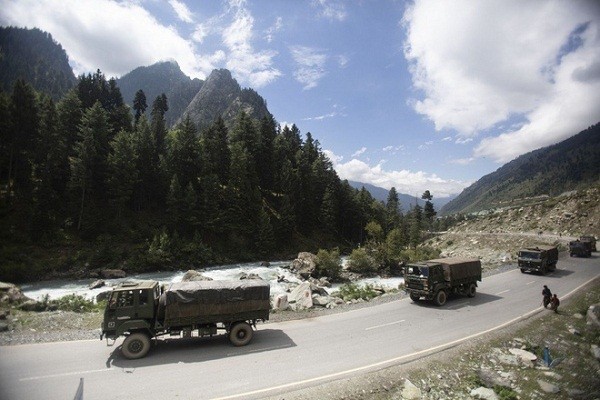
<point>530,254</point>
<point>421,271</point>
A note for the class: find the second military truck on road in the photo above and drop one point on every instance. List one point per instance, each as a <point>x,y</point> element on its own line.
<point>540,259</point>
<point>141,311</point>
<point>436,279</point>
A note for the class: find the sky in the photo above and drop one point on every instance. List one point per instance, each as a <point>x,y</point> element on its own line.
<point>417,95</point>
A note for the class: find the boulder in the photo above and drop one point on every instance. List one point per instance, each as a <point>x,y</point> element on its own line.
<point>32,305</point>
<point>250,276</point>
<point>103,296</point>
<point>548,387</point>
<point>490,378</point>
<point>321,301</point>
<point>305,264</point>
<point>595,351</point>
<point>10,293</point>
<point>4,314</point>
<point>113,274</point>
<point>484,393</point>
<point>3,326</point>
<point>593,316</point>
<point>280,302</point>
<point>265,264</point>
<point>97,284</point>
<point>301,296</point>
<point>410,391</point>
<point>526,357</point>
<point>192,275</point>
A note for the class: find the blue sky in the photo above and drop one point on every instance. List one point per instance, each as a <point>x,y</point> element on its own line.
<point>419,95</point>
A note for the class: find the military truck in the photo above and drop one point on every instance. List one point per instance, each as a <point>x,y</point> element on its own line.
<point>590,239</point>
<point>580,248</point>
<point>540,258</point>
<point>438,278</point>
<point>140,311</point>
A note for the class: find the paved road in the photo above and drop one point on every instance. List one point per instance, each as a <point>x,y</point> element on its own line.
<point>282,356</point>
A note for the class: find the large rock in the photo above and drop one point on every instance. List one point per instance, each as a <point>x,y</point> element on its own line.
<point>301,296</point>
<point>526,357</point>
<point>113,274</point>
<point>491,378</point>
<point>102,296</point>
<point>593,316</point>
<point>251,275</point>
<point>484,393</point>
<point>548,387</point>
<point>192,275</point>
<point>97,284</point>
<point>280,302</point>
<point>410,391</point>
<point>305,264</point>
<point>12,294</point>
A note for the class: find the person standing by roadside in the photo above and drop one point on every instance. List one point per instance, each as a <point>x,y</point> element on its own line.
<point>547,296</point>
<point>554,303</point>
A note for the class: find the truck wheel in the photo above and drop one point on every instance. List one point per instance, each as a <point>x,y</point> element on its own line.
<point>135,346</point>
<point>240,334</point>
<point>414,297</point>
<point>522,270</point>
<point>440,298</point>
<point>472,290</point>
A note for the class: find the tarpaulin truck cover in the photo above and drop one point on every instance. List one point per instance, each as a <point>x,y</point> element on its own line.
<point>203,299</point>
<point>459,268</point>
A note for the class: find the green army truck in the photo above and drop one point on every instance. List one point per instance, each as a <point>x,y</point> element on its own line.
<point>589,239</point>
<point>540,258</point>
<point>437,279</point>
<point>141,311</point>
<point>580,248</point>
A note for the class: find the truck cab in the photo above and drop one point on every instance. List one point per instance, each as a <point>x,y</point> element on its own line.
<point>540,259</point>
<point>131,306</point>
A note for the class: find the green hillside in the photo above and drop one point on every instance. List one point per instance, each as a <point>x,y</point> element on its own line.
<point>568,165</point>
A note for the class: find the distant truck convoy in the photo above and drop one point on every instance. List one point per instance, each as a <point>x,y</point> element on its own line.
<point>438,278</point>
<point>540,259</point>
<point>580,248</point>
<point>590,239</point>
<point>141,311</point>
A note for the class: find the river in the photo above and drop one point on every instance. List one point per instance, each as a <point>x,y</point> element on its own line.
<point>59,288</point>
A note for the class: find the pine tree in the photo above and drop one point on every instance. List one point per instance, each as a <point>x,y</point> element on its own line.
<point>123,175</point>
<point>139,104</point>
<point>393,210</point>
<point>89,165</point>
<point>428,210</point>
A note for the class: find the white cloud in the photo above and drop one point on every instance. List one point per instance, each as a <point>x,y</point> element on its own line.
<point>359,152</point>
<point>182,11</point>
<point>331,9</point>
<point>276,27</point>
<point>115,37</point>
<point>311,65</point>
<point>342,61</point>
<point>252,67</point>
<point>463,161</point>
<point>480,64</point>
<point>404,181</point>
<point>200,33</point>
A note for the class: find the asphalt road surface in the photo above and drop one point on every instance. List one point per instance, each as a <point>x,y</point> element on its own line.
<point>283,356</point>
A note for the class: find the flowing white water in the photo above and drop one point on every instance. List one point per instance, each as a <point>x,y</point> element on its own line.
<point>59,288</point>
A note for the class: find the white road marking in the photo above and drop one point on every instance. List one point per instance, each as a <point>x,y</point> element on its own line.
<point>381,326</point>
<point>395,359</point>
<point>35,378</point>
<point>530,283</point>
<point>502,292</point>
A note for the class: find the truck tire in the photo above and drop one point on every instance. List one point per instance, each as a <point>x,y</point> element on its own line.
<point>472,290</point>
<point>414,297</point>
<point>440,298</point>
<point>240,334</point>
<point>522,270</point>
<point>135,346</point>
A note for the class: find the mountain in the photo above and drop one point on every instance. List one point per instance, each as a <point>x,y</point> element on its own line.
<point>569,165</point>
<point>163,77</point>
<point>406,200</point>
<point>222,95</point>
<point>32,55</point>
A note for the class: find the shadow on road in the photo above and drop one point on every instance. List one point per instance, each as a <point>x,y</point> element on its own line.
<point>557,273</point>
<point>455,302</point>
<point>200,349</point>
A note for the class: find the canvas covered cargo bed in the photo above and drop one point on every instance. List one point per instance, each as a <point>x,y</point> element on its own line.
<point>458,269</point>
<point>215,301</point>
